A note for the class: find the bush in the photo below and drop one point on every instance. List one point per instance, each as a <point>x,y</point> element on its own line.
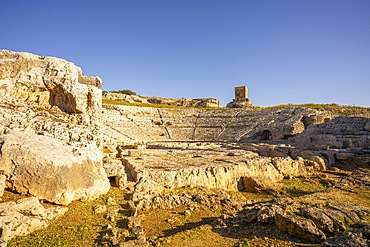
<point>125,91</point>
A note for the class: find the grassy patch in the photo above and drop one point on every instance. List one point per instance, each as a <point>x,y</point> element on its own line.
<point>300,187</point>
<point>77,227</point>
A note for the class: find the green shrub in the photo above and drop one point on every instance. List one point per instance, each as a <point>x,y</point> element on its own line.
<point>125,91</point>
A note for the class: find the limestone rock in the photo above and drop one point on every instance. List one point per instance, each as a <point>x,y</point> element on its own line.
<point>112,167</point>
<point>121,181</point>
<point>346,239</point>
<point>48,82</point>
<point>299,227</point>
<point>124,97</point>
<point>98,209</point>
<point>344,156</point>
<point>253,184</point>
<point>2,184</point>
<point>367,126</point>
<point>289,167</point>
<point>51,97</point>
<point>25,216</point>
<point>340,132</point>
<point>322,221</point>
<point>49,169</point>
<point>202,102</point>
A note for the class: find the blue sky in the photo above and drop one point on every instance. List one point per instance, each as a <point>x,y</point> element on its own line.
<point>285,51</point>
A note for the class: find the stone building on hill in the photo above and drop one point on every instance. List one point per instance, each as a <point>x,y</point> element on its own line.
<point>241,98</point>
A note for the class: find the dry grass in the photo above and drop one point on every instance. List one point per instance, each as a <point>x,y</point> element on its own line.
<point>78,227</point>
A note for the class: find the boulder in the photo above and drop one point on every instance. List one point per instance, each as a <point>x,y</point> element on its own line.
<point>346,239</point>
<point>344,156</point>
<point>49,169</point>
<point>251,184</point>
<point>321,220</point>
<point>25,216</point>
<point>113,167</point>
<point>300,227</point>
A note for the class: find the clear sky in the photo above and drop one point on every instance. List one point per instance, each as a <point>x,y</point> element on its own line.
<point>285,51</point>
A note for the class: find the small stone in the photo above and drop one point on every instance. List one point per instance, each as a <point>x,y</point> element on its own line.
<point>138,231</point>
<point>3,243</point>
<point>98,209</point>
<point>111,214</point>
<point>133,222</point>
<point>121,181</point>
<point>111,201</point>
<point>187,212</point>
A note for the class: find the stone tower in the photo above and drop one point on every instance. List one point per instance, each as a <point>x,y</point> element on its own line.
<point>241,98</point>
<point>241,93</point>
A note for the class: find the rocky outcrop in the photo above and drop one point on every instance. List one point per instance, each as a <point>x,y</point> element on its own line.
<point>298,226</point>
<point>200,103</point>
<point>48,82</point>
<point>124,97</point>
<point>25,216</point>
<point>50,169</point>
<point>55,152</point>
<point>215,166</point>
<point>314,223</point>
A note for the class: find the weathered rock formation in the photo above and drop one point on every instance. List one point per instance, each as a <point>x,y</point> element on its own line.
<point>200,103</point>
<point>56,111</point>
<point>49,169</point>
<point>48,82</point>
<point>25,216</point>
<point>310,222</point>
<point>124,97</point>
<point>215,166</point>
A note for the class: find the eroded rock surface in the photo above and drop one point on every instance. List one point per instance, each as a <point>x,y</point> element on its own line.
<point>201,102</point>
<point>213,166</point>
<point>310,222</point>
<point>56,111</point>
<point>50,169</point>
<point>25,216</point>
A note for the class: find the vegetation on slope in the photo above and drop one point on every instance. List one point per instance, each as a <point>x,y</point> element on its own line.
<point>123,91</point>
<point>333,108</point>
